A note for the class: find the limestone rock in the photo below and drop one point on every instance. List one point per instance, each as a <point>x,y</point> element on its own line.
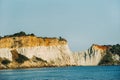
<point>32,51</point>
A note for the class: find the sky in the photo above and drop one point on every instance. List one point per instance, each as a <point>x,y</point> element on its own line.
<point>81,22</point>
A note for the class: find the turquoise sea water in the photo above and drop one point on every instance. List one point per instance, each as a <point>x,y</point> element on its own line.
<point>63,73</point>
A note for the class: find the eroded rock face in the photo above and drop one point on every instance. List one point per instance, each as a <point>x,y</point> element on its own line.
<point>5,53</point>
<point>52,50</point>
<point>92,56</point>
<point>30,41</point>
<point>59,55</point>
<point>31,51</point>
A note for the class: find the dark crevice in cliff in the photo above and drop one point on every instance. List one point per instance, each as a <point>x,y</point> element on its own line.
<point>18,57</point>
<point>36,59</point>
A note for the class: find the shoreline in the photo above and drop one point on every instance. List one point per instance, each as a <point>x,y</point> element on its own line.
<point>53,67</point>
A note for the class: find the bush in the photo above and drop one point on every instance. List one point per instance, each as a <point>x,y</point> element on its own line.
<point>62,39</point>
<point>31,34</point>
<point>16,34</point>
<point>107,59</point>
<point>115,49</point>
<point>21,33</point>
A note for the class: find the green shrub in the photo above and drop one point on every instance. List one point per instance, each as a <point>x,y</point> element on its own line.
<point>21,33</point>
<point>62,39</point>
<point>107,59</point>
<point>115,49</point>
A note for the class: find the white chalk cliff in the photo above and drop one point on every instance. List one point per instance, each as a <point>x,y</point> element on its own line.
<point>52,50</point>
<point>92,56</point>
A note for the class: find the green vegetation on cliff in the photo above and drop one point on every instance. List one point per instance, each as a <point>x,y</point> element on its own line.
<point>22,33</point>
<point>110,58</point>
<point>107,59</point>
<point>115,49</point>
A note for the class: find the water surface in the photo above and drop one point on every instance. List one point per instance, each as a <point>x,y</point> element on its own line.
<point>63,73</point>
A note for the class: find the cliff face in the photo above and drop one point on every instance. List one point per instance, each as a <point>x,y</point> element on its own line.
<point>32,51</point>
<point>52,50</point>
<point>29,41</point>
<point>92,56</point>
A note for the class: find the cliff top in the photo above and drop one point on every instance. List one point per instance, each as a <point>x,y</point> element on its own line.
<point>100,47</point>
<point>22,39</point>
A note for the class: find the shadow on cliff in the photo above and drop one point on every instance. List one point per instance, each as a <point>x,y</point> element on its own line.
<point>18,57</point>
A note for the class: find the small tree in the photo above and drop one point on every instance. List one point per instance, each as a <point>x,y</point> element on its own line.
<point>20,34</point>
<point>62,39</point>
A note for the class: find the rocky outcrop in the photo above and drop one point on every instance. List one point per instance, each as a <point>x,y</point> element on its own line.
<point>92,56</point>
<point>21,50</point>
<point>112,56</point>
<point>31,51</point>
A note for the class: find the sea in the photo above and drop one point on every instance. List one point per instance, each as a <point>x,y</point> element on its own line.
<point>63,73</point>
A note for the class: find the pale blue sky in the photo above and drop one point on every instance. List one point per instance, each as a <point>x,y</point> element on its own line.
<point>81,22</point>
